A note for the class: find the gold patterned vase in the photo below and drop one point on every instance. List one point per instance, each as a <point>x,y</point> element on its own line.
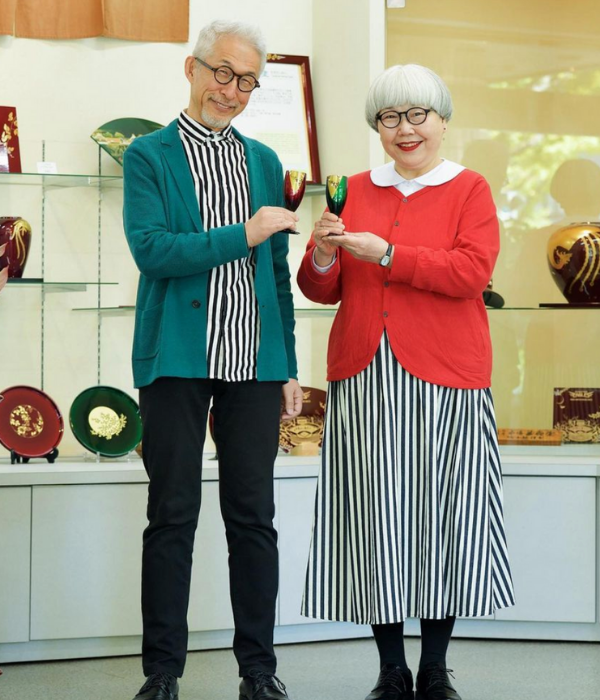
<point>574,261</point>
<point>15,232</point>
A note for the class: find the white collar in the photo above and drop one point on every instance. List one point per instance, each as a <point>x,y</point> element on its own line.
<point>386,175</point>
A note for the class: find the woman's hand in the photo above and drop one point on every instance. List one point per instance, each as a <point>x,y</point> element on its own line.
<point>363,246</point>
<point>327,224</point>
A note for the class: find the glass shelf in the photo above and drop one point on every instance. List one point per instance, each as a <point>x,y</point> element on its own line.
<point>322,312</point>
<point>55,286</point>
<point>83,180</point>
<point>557,307</point>
<point>108,310</point>
<point>317,312</point>
<point>124,310</point>
<point>67,180</point>
<point>314,313</point>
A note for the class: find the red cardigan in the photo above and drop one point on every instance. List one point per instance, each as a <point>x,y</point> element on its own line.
<point>446,241</point>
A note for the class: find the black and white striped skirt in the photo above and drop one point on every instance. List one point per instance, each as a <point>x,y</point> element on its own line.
<point>408,517</point>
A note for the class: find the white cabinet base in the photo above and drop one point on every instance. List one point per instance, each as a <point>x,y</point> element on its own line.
<point>15,537</point>
<point>70,540</point>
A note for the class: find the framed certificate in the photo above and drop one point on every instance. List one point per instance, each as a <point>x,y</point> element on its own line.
<point>281,114</point>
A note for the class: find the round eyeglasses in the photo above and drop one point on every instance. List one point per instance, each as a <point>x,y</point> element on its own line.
<point>415,116</point>
<point>224,75</point>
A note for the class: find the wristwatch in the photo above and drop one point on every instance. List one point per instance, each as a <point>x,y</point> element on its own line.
<point>385,261</point>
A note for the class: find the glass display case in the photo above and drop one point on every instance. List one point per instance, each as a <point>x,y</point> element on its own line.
<point>68,323</point>
<point>525,81</point>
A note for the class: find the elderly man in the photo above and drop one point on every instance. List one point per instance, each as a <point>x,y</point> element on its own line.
<point>214,324</point>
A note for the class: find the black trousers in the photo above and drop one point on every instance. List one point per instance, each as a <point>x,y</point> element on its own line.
<point>174,413</point>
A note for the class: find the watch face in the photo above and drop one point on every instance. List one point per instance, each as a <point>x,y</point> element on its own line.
<point>30,422</point>
<point>106,421</point>
<point>385,260</point>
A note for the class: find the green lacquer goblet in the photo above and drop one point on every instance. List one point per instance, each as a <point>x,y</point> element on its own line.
<point>336,193</point>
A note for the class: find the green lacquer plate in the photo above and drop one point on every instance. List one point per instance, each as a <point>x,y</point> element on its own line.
<point>114,136</point>
<point>106,421</point>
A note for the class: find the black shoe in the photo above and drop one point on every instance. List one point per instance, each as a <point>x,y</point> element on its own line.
<point>262,685</point>
<point>433,684</point>
<point>159,686</point>
<point>394,683</point>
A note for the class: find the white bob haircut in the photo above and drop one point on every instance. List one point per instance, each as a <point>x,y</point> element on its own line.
<point>408,85</point>
<point>210,34</point>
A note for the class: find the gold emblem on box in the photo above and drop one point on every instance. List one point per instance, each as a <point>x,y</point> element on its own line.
<point>303,435</point>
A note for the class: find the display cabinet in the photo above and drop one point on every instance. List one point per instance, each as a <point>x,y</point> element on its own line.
<point>45,344</point>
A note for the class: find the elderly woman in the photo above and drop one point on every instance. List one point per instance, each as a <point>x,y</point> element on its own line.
<point>409,519</point>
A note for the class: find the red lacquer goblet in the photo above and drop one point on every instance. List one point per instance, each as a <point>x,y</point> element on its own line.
<point>293,191</point>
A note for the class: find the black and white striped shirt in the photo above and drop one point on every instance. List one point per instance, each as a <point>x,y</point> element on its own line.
<point>218,165</point>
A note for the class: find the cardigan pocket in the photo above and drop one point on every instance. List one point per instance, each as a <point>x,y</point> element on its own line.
<point>148,326</point>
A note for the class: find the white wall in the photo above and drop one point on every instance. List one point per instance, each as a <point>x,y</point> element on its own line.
<point>63,90</point>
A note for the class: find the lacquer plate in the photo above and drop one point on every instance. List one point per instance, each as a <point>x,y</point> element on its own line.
<point>115,136</point>
<point>31,424</point>
<point>106,421</point>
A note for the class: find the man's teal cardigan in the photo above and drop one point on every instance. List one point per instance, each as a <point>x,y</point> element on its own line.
<point>175,255</point>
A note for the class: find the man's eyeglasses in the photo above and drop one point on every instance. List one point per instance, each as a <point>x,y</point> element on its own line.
<point>224,75</point>
<point>415,116</point>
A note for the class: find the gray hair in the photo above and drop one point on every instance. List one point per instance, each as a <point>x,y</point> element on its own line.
<point>210,34</point>
<point>410,84</point>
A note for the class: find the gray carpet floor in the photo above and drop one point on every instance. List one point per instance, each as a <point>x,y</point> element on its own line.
<point>484,670</point>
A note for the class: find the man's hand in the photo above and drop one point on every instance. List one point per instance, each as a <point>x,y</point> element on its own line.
<point>266,222</point>
<point>291,400</point>
<point>3,272</point>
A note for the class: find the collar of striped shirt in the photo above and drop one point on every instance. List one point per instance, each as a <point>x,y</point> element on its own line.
<point>202,134</point>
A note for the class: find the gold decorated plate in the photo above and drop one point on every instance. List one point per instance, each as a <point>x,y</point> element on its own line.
<point>306,429</point>
<point>114,136</point>
<point>31,424</point>
<point>106,421</point>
